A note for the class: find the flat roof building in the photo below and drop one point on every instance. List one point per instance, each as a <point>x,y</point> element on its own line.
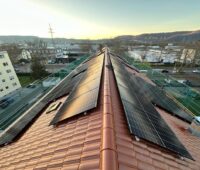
<point>8,78</point>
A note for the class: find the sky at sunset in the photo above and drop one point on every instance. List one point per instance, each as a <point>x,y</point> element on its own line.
<point>96,19</point>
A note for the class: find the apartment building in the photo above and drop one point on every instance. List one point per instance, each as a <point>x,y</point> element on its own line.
<point>8,78</point>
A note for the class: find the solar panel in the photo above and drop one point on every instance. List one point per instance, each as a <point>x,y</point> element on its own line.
<point>159,98</point>
<point>143,119</point>
<point>68,83</point>
<point>78,105</point>
<point>125,62</point>
<point>84,88</point>
<point>84,97</point>
<point>156,95</point>
<point>66,87</point>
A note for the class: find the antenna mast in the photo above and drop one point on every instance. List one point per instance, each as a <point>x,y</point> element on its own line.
<point>51,32</point>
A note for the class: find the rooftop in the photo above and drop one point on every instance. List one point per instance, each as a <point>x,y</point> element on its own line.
<point>102,119</point>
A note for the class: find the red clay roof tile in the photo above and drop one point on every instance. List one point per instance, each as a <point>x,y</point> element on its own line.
<point>145,166</point>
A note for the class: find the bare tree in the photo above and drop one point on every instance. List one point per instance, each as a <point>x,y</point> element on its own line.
<point>13,51</point>
<point>117,47</point>
<point>86,47</point>
<point>38,68</point>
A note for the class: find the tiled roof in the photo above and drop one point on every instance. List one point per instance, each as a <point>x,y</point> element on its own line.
<point>99,139</point>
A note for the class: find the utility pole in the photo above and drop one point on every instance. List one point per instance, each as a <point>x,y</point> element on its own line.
<point>52,40</point>
<point>51,32</point>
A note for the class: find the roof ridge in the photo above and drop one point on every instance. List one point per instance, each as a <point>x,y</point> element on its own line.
<point>108,152</point>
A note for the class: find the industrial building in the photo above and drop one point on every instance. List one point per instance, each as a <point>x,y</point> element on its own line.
<point>8,78</point>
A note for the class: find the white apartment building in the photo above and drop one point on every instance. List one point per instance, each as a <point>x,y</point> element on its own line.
<point>25,54</point>
<point>8,78</point>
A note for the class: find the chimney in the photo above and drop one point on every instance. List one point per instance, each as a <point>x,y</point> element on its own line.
<point>195,126</point>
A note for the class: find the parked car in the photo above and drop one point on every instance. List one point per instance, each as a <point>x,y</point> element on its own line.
<point>196,71</point>
<point>6,102</point>
<point>165,71</point>
<point>31,86</point>
<point>184,82</point>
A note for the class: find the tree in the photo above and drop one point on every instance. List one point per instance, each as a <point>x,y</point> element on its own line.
<point>13,50</point>
<point>100,48</point>
<point>86,47</point>
<point>38,69</point>
<point>118,47</point>
<point>197,54</point>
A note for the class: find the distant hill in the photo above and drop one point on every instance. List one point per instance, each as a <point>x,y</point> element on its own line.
<point>17,38</point>
<point>173,37</point>
<point>22,39</point>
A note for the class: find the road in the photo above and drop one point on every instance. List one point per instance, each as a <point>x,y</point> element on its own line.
<point>194,78</point>
<point>170,68</point>
<point>51,68</point>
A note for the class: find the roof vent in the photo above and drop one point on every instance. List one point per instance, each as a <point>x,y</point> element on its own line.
<point>195,126</point>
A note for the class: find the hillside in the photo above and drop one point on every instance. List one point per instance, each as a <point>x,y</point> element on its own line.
<point>21,39</point>
<point>174,37</point>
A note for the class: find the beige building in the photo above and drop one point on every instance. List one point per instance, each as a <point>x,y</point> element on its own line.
<point>8,78</point>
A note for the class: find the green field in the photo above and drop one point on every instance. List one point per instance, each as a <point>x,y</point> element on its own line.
<point>25,79</point>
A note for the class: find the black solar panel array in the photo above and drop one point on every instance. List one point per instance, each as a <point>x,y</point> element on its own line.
<point>125,62</point>
<point>143,120</point>
<point>68,83</point>
<point>63,88</point>
<point>84,97</point>
<point>158,97</point>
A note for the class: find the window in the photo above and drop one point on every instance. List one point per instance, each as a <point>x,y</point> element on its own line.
<point>1,90</point>
<point>8,71</point>
<point>1,56</point>
<point>3,80</point>
<point>12,78</point>
<point>5,64</point>
<point>7,87</point>
<point>0,73</point>
<point>14,84</point>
